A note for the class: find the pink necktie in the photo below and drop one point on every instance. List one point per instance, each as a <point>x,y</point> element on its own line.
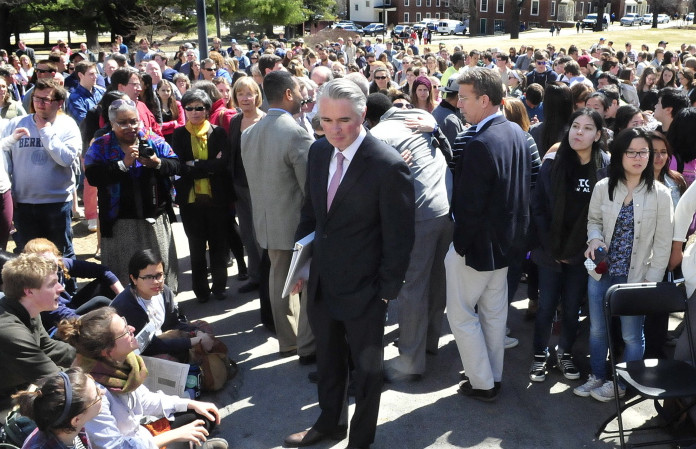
<point>335,180</point>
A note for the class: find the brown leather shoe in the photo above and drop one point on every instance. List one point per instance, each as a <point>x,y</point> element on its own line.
<point>311,436</point>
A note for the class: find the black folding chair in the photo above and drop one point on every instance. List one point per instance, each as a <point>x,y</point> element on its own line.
<point>655,379</point>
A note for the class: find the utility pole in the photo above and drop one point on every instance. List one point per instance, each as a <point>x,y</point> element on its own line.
<point>202,30</point>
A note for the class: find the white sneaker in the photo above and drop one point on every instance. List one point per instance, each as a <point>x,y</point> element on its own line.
<point>511,342</point>
<point>92,225</point>
<point>605,393</point>
<point>585,389</point>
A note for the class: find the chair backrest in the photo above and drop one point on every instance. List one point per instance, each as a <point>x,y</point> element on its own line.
<point>645,299</point>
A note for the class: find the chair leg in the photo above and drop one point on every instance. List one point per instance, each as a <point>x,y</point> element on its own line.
<point>627,405</point>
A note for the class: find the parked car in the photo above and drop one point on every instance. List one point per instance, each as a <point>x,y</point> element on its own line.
<point>663,18</point>
<point>431,24</point>
<point>647,18</point>
<point>350,27</point>
<point>690,17</point>
<point>590,20</point>
<point>374,29</point>
<point>631,19</point>
<point>402,31</point>
<point>451,27</point>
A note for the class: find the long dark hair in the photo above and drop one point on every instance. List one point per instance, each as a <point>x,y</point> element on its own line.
<point>681,136</point>
<point>623,117</point>
<point>558,107</point>
<point>618,149</point>
<point>665,171</point>
<point>566,158</point>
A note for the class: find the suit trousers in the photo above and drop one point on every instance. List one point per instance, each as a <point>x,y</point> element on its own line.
<point>337,341</point>
<point>246,231</point>
<point>480,337</point>
<point>206,225</point>
<point>423,296</point>
<point>289,312</point>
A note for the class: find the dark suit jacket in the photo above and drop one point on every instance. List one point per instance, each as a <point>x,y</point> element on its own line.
<point>362,245</point>
<point>214,168</point>
<point>490,200</point>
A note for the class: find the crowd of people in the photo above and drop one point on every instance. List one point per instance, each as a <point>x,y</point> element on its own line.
<point>435,176</point>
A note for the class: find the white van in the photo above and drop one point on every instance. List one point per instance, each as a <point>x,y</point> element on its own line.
<point>446,26</point>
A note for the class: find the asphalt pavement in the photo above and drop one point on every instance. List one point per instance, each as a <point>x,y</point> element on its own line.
<point>271,397</point>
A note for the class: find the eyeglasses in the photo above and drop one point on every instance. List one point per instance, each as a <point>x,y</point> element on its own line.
<point>403,105</point>
<point>209,69</point>
<point>307,101</point>
<point>190,109</point>
<point>541,62</point>
<point>152,277</point>
<point>643,154</point>
<point>380,77</point>
<point>126,331</point>
<point>135,123</point>
<point>100,395</point>
<point>45,71</point>
<point>43,100</point>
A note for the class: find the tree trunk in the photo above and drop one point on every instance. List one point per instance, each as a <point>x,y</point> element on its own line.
<point>92,35</point>
<point>47,37</point>
<point>5,26</point>
<point>473,18</point>
<point>515,6</point>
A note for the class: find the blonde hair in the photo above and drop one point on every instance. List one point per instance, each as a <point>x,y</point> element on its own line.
<point>42,245</point>
<point>26,271</point>
<point>241,83</point>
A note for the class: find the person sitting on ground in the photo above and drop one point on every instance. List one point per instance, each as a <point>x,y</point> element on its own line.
<point>105,343</point>
<point>31,286</point>
<point>60,406</point>
<point>149,306</point>
<point>97,293</point>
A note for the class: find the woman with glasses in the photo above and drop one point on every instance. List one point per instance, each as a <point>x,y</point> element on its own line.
<point>131,170</point>
<point>381,80</point>
<point>202,193</point>
<point>630,220</point>
<point>105,343</point>
<point>60,406</point>
<point>182,83</point>
<point>149,307</point>
<point>516,83</point>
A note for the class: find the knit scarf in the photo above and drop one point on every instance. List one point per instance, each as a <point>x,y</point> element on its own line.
<point>199,145</point>
<point>117,379</point>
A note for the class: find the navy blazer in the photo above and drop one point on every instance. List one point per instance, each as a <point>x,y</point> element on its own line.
<point>362,245</point>
<point>490,202</point>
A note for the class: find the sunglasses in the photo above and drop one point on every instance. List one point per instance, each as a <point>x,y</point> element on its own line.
<point>195,108</point>
<point>307,101</point>
<point>403,105</point>
<point>380,77</point>
<point>44,71</point>
<point>210,69</point>
<point>541,62</point>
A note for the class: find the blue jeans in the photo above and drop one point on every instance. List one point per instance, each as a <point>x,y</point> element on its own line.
<point>631,327</point>
<point>568,287</point>
<point>50,220</point>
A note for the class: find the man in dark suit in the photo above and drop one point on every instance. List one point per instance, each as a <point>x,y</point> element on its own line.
<point>360,203</point>
<point>490,206</point>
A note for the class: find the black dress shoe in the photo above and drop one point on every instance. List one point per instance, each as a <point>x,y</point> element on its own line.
<point>465,378</point>
<point>311,436</point>
<point>466,389</point>
<point>249,287</point>
<point>202,299</point>
<point>220,296</point>
<point>242,277</point>
<point>308,359</point>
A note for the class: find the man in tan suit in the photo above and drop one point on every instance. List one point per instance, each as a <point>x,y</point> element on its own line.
<point>274,152</point>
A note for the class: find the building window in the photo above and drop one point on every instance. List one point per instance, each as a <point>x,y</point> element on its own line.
<point>407,17</point>
<point>387,2</point>
<point>428,3</point>
<point>419,3</point>
<point>367,4</point>
<point>447,16</point>
<point>500,7</point>
<point>484,5</point>
<point>437,3</point>
<point>553,9</point>
<point>446,3</point>
<point>418,17</point>
<point>437,15</point>
<point>535,7</point>
<point>499,25</point>
<point>427,15</point>
<point>582,8</point>
<point>405,2</point>
<point>357,7</point>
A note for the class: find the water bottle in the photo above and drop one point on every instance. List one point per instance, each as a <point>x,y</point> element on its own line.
<point>193,381</point>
